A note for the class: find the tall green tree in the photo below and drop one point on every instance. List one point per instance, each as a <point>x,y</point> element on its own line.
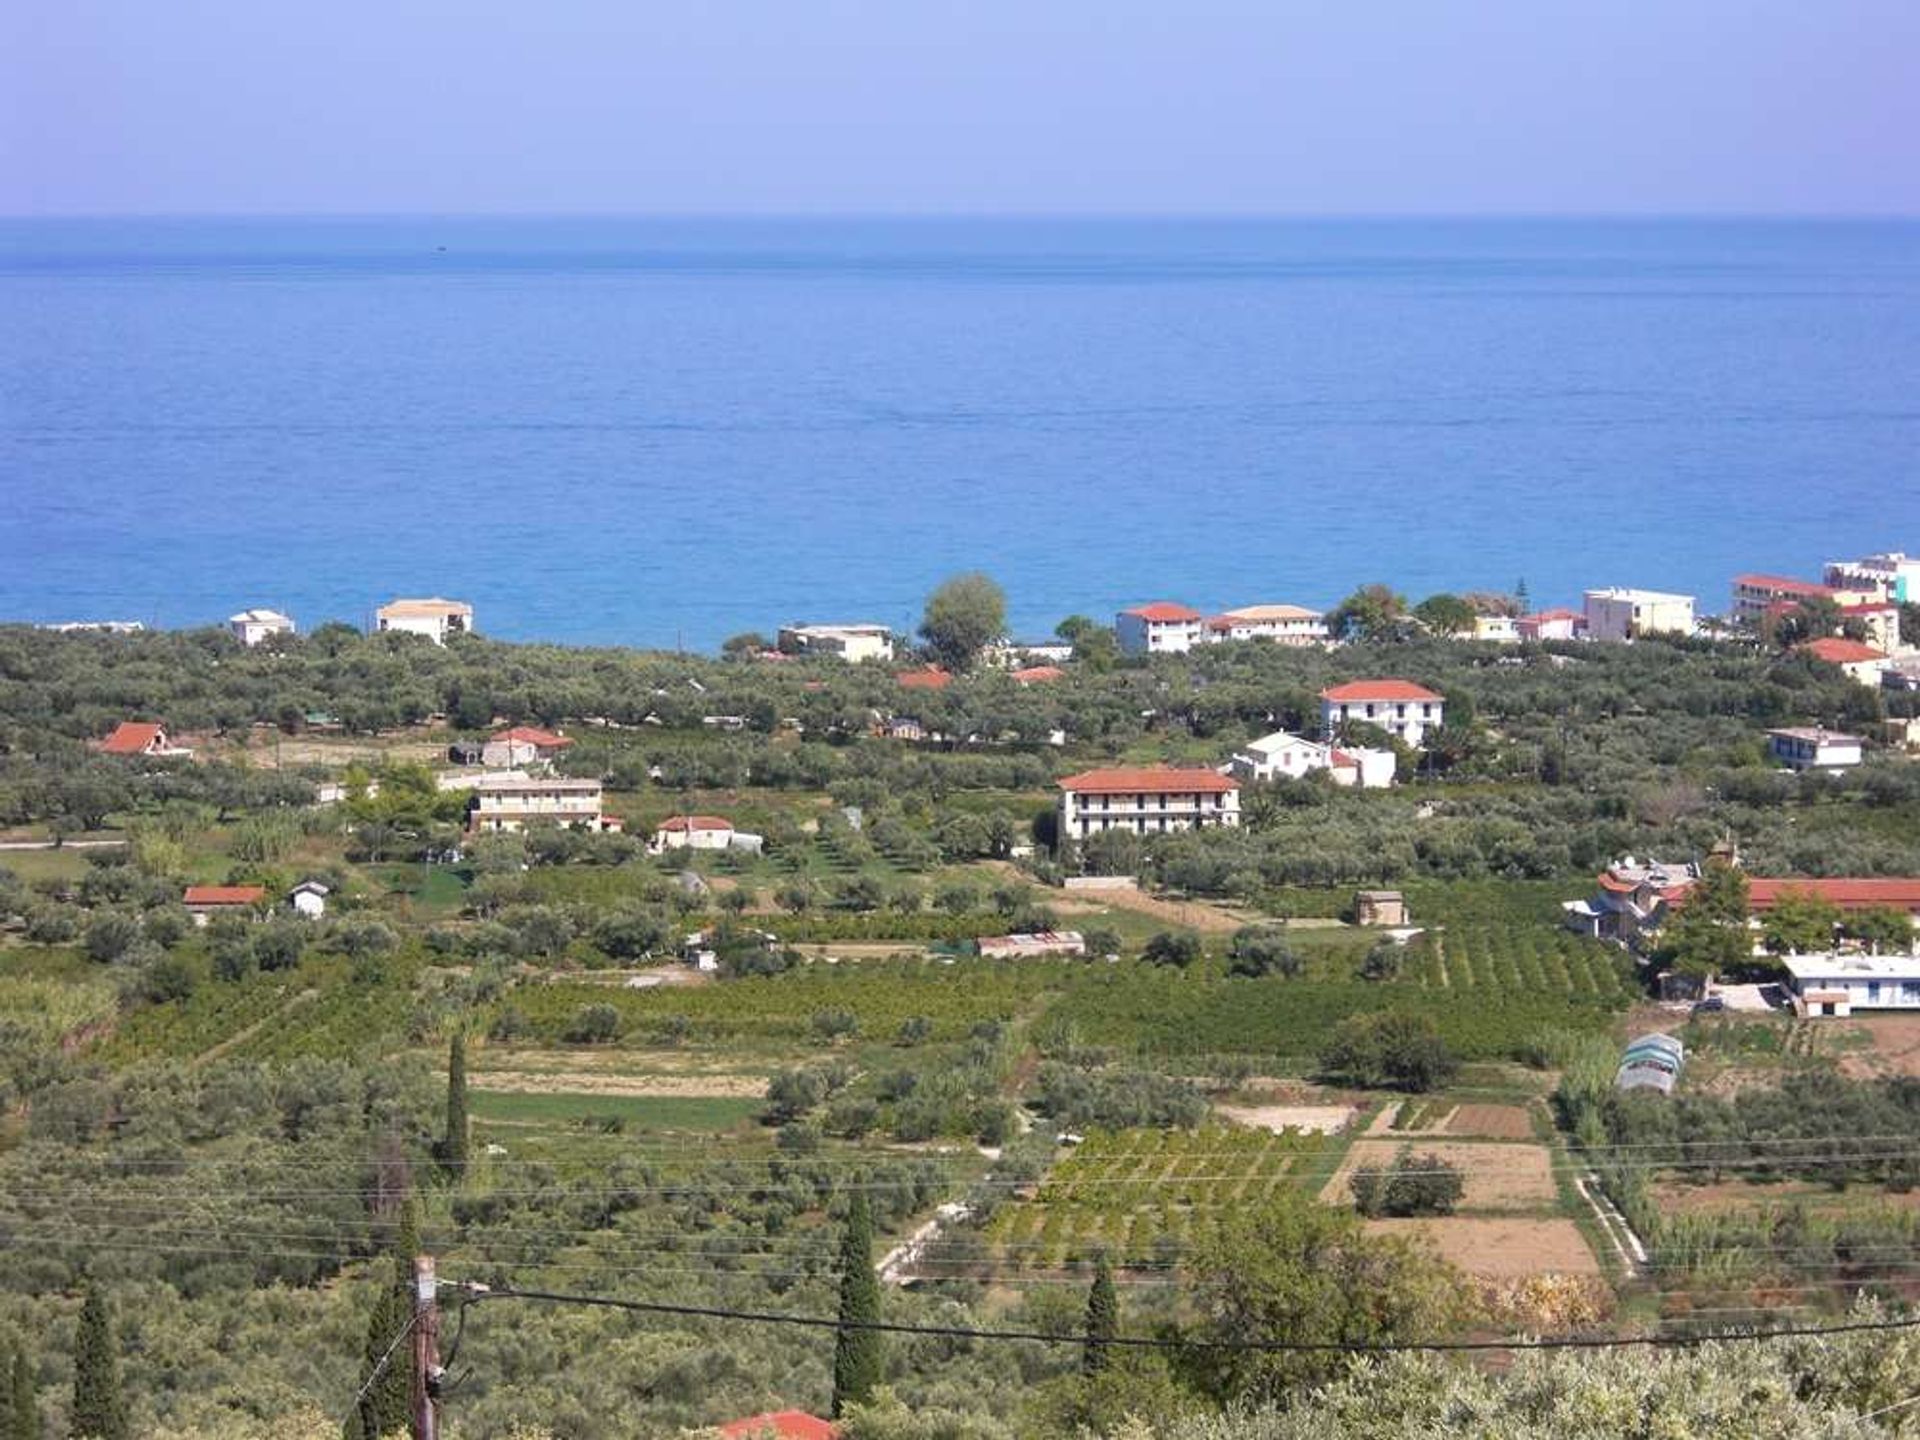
<point>963,616</point>
<point>454,1147</point>
<point>1445,614</point>
<point>1373,612</point>
<point>1709,936</point>
<point>1103,1319</point>
<point>857,1353</point>
<point>99,1406</point>
<point>23,1400</point>
<point>385,1397</point>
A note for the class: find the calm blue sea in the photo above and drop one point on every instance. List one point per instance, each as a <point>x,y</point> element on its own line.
<point>669,431</point>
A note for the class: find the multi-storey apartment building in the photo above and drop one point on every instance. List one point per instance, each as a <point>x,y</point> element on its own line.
<point>1403,709</point>
<point>1148,800</point>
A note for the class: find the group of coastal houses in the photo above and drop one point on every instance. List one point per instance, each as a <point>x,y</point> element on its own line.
<point>1635,899</point>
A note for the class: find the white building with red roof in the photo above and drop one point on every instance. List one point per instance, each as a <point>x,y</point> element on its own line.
<point>1403,709</point>
<point>1860,662</point>
<point>1632,897</point>
<point>523,745</point>
<point>700,832</point>
<point>1147,799</point>
<point>203,902</point>
<point>1161,628</point>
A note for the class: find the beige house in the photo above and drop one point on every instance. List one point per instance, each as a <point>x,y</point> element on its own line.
<point>1860,663</point>
<point>511,802</point>
<point>1148,800</point>
<point>433,618</point>
<point>1380,907</point>
<point>1282,624</point>
<point>1625,614</point>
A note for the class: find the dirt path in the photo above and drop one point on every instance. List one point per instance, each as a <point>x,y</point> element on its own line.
<point>656,1087</point>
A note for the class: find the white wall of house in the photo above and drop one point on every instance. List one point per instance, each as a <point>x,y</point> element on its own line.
<point>1408,721</point>
<point>1813,750</point>
<point>1623,614</point>
<point>1140,636</point>
<point>1152,812</point>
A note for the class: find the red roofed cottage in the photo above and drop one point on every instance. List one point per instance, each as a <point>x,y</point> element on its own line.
<point>783,1424</point>
<point>132,737</point>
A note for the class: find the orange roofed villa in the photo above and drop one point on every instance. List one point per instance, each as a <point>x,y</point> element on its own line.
<point>134,737</point>
<point>1148,800</point>
<point>1403,709</point>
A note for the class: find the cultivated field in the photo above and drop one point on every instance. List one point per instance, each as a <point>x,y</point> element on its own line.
<point>1501,1249</point>
<point>1498,1177</point>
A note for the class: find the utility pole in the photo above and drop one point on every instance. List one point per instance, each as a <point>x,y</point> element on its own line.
<point>425,1389</point>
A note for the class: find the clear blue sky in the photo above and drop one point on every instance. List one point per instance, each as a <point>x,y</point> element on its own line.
<point>880,106</point>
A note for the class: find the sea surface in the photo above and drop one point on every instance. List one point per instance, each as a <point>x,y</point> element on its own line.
<point>665,432</point>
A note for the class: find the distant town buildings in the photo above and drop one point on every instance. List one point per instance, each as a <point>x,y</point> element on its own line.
<point>433,618</point>
<point>1403,709</point>
<point>1893,576</point>
<point>1812,748</point>
<point>1162,628</point>
<point>1625,614</point>
<point>250,627</point>
<point>852,643</point>
<point>1755,595</point>
<point>1148,800</point>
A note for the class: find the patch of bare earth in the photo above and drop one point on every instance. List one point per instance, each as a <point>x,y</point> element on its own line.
<point>1895,1050</point>
<point>1321,1119</point>
<point>1500,1249</point>
<point>1498,1177</point>
<point>1491,1122</point>
<point>658,1087</point>
<point>1674,1197</point>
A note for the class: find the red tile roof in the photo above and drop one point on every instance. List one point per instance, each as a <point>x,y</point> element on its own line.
<point>1364,690</point>
<point>787,1424</point>
<point>224,895</point>
<point>1163,612</point>
<point>1150,780</point>
<point>931,678</point>
<point>1542,616</point>
<point>1837,650</point>
<point>1848,894</point>
<point>675,824</point>
<point>1869,607</point>
<point>130,738</point>
<point>1781,584</point>
<point>1035,674</point>
<point>533,735</point>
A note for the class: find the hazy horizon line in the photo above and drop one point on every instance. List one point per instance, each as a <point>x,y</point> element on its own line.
<point>990,216</point>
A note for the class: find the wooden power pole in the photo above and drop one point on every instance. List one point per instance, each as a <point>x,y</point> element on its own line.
<point>424,1391</point>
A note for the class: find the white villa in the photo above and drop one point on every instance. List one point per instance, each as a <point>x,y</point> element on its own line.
<point>1286,755</point>
<point>701,832</point>
<point>1499,629</point>
<point>503,802</point>
<point>1622,613</point>
<point>851,643</point>
<point>1842,985</point>
<point>1282,624</point>
<point>1809,748</point>
<point>250,627</point>
<point>523,745</point>
<point>1556,624</point>
<point>1162,628</point>
<point>1403,709</point>
<point>1148,800</point>
<point>433,618</point>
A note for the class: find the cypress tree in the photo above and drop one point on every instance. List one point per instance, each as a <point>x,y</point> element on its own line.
<point>1103,1320</point>
<point>856,1353</point>
<point>23,1404</point>
<point>384,1407</point>
<point>99,1408</point>
<point>453,1149</point>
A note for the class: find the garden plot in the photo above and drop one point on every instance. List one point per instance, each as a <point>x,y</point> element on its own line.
<point>601,1082</point>
<point>1491,1122</point>
<point>1498,1177</point>
<point>1500,1249</point>
<point>1318,1119</point>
